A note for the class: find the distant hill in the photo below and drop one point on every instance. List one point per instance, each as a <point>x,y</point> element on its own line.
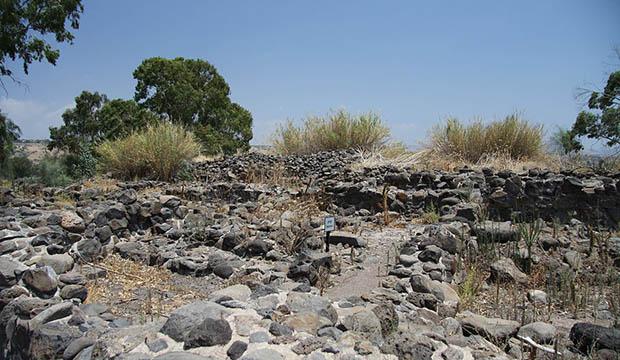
<point>35,150</point>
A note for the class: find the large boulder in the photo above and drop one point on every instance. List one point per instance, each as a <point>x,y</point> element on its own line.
<point>209,333</point>
<point>72,222</point>
<point>88,248</point>
<point>346,238</point>
<point>184,319</point>
<point>409,346</point>
<point>443,292</point>
<point>496,232</point>
<point>587,337</point>
<point>540,332</point>
<point>309,303</point>
<point>61,263</point>
<point>366,323</point>
<point>387,315</point>
<point>42,280</point>
<point>9,271</point>
<point>238,292</point>
<point>504,270</point>
<point>48,341</point>
<point>495,330</point>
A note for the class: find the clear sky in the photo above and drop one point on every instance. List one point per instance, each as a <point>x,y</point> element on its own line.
<point>414,62</point>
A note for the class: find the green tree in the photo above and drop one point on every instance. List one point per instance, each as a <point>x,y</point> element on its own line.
<point>25,26</point>
<point>603,121</point>
<point>9,133</point>
<point>563,141</point>
<point>193,93</point>
<point>94,119</point>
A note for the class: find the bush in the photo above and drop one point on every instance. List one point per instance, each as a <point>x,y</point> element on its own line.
<point>17,167</point>
<point>512,137</point>
<point>157,152</point>
<point>83,163</point>
<point>339,130</point>
<point>51,171</point>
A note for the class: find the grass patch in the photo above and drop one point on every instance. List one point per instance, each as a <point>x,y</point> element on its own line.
<point>429,216</point>
<point>335,131</point>
<point>104,185</point>
<point>138,291</point>
<point>512,138</point>
<point>157,152</point>
<point>469,289</point>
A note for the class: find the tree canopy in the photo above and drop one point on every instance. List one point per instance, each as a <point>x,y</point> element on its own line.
<point>25,24</point>
<point>94,119</point>
<point>603,121</point>
<point>191,92</point>
<point>9,133</point>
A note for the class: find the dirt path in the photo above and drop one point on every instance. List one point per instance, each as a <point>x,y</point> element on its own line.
<point>361,278</point>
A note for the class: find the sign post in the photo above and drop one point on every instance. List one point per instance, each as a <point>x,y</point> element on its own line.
<point>330,225</point>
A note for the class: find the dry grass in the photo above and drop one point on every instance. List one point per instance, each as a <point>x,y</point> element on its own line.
<point>157,152</point>
<point>429,216</point>
<point>395,155</point>
<point>104,185</point>
<point>432,160</point>
<point>63,200</point>
<point>146,288</point>
<point>336,131</point>
<point>512,138</point>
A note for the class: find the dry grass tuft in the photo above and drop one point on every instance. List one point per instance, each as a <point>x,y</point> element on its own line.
<point>512,138</point>
<point>395,155</point>
<point>336,131</point>
<point>104,185</point>
<point>63,200</point>
<point>157,152</point>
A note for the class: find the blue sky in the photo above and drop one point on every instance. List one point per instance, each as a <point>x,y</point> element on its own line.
<point>413,62</point>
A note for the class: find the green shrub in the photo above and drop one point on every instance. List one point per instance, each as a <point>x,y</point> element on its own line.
<point>83,163</point>
<point>339,130</point>
<point>51,171</point>
<point>512,137</point>
<point>157,152</point>
<point>17,167</point>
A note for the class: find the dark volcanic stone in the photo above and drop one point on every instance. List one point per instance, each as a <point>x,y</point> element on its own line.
<point>224,271</point>
<point>236,349</point>
<point>209,333</point>
<point>278,329</point>
<point>74,292</point>
<point>585,336</point>
<point>42,280</point>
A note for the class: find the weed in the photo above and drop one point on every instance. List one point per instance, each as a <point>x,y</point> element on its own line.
<point>63,200</point>
<point>468,290</point>
<point>430,215</point>
<point>530,232</point>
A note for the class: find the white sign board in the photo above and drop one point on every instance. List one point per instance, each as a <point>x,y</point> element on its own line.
<point>330,223</point>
